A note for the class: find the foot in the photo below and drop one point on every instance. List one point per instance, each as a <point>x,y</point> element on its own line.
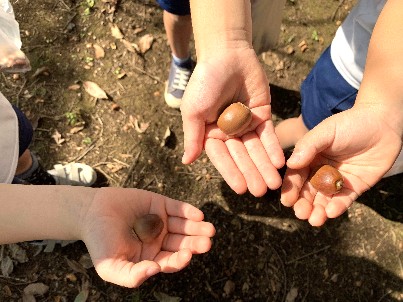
<point>74,174</point>
<point>178,79</point>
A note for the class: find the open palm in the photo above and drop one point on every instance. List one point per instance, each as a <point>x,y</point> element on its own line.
<point>118,254</point>
<point>359,142</point>
<point>250,160</point>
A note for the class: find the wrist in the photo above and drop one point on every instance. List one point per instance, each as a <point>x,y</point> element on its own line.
<point>389,114</point>
<point>221,25</point>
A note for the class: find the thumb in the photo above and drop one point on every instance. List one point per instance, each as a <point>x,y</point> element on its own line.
<point>315,141</point>
<point>193,131</point>
<point>127,273</point>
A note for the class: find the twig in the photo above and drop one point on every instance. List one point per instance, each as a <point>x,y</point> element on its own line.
<point>131,169</point>
<point>92,146</point>
<point>147,184</point>
<point>387,293</point>
<point>110,178</point>
<point>337,9</point>
<point>19,92</point>
<point>199,174</point>
<point>309,254</point>
<point>171,113</point>
<point>148,74</point>
<point>15,281</point>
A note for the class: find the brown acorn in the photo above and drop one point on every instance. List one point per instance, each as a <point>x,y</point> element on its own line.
<point>148,227</point>
<point>327,180</point>
<point>234,119</point>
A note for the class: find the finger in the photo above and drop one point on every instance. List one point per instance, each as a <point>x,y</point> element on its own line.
<point>312,143</point>
<point>266,133</point>
<point>126,273</point>
<point>292,184</point>
<point>178,208</point>
<point>186,227</point>
<point>196,244</point>
<point>304,205</point>
<point>220,157</point>
<point>173,262</point>
<point>261,160</point>
<point>340,203</point>
<point>193,131</point>
<point>303,208</point>
<point>319,216</point>
<point>240,155</point>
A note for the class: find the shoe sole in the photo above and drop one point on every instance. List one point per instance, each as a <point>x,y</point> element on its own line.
<point>170,100</point>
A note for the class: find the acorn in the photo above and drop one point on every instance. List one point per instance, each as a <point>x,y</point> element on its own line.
<point>234,119</point>
<point>327,180</point>
<point>148,227</point>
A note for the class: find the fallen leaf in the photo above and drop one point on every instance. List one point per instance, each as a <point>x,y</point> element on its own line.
<point>36,289</point>
<point>166,137</point>
<point>145,43</point>
<point>77,267</point>
<point>99,51</point>
<point>7,266</point>
<point>74,87</point>
<point>32,290</point>
<point>142,127</point>
<point>292,295</point>
<point>41,71</point>
<point>132,47</point>
<point>77,129</point>
<point>18,253</point>
<point>162,297</point>
<point>86,261</point>
<point>116,33</point>
<point>58,138</point>
<point>94,90</point>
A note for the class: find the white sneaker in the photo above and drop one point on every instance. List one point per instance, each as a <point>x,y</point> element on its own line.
<point>74,174</point>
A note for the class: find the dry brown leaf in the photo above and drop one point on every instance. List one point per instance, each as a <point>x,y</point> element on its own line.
<point>32,290</point>
<point>75,130</point>
<point>99,51</point>
<point>41,71</point>
<point>167,135</point>
<point>116,33</point>
<point>58,138</point>
<point>74,87</point>
<point>94,90</point>
<point>145,43</point>
<point>142,127</point>
<point>130,46</point>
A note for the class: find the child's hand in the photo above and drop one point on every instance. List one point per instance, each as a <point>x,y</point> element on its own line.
<point>120,257</point>
<point>358,142</point>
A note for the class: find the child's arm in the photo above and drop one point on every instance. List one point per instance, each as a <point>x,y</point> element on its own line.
<point>229,71</point>
<point>382,85</point>
<point>105,219</point>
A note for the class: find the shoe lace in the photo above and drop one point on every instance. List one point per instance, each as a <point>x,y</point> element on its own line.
<point>181,78</point>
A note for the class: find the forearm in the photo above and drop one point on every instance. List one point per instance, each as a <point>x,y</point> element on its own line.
<point>42,212</point>
<point>382,82</point>
<point>221,24</point>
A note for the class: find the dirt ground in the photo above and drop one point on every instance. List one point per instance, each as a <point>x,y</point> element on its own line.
<point>261,251</point>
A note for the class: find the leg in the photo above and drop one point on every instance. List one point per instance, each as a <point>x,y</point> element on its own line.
<point>289,131</point>
<point>179,31</point>
<point>24,162</point>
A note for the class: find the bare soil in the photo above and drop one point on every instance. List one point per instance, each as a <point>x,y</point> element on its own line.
<point>261,251</point>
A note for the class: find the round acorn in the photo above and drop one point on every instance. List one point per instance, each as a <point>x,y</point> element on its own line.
<point>148,227</point>
<point>234,119</point>
<point>327,180</point>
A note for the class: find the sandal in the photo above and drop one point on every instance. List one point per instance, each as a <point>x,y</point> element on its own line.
<point>74,174</point>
